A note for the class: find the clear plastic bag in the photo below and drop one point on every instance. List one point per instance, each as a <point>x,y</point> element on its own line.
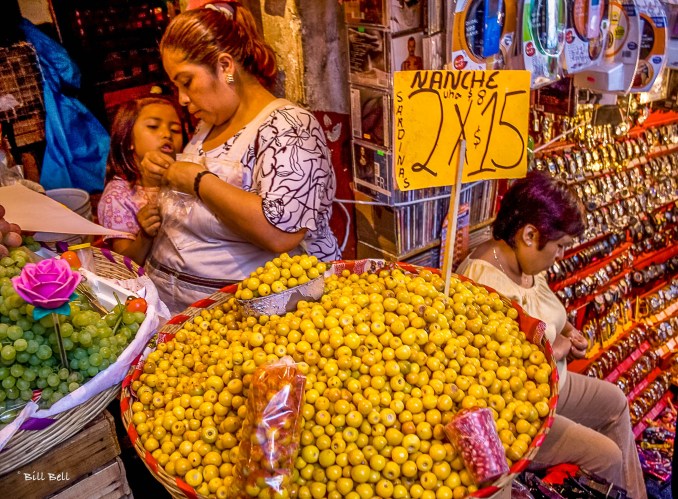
<point>271,432</point>
<point>175,205</point>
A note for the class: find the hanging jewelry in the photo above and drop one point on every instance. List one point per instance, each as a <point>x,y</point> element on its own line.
<point>524,279</point>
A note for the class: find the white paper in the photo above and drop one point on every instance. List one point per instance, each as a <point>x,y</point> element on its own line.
<point>35,212</point>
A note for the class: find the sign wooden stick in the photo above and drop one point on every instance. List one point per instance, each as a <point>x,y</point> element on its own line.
<point>452,215</point>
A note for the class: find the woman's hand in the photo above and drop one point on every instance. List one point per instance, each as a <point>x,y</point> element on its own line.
<point>149,220</point>
<point>561,347</point>
<point>579,343</point>
<point>153,168</point>
<point>180,176</point>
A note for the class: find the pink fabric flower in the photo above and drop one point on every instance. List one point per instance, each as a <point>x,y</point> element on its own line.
<point>47,284</point>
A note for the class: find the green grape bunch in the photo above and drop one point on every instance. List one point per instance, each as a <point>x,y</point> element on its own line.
<point>29,352</point>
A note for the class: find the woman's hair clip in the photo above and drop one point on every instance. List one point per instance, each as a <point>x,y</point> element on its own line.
<point>224,7</point>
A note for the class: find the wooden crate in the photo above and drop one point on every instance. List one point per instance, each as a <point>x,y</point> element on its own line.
<point>107,482</point>
<point>89,449</point>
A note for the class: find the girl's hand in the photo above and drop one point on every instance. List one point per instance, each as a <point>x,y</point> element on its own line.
<point>181,176</point>
<point>149,220</point>
<point>153,168</point>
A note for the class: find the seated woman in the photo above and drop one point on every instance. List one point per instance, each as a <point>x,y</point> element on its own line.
<point>537,220</point>
<point>258,181</point>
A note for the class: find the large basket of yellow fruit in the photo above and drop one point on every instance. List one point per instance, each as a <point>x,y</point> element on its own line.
<point>388,361</point>
<point>35,436</point>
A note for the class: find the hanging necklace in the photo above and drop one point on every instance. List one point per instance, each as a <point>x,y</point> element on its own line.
<point>524,279</point>
<point>496,259</point>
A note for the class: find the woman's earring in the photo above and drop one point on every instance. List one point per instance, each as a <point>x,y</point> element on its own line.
<point>229,78</point>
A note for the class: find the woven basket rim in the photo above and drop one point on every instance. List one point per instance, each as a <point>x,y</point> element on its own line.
<point>26,445</point>
<point>178,488</point>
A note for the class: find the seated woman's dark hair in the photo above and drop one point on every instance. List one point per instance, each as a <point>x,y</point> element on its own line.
<point>542,201</point>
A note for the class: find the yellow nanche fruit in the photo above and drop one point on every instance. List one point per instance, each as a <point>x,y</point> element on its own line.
<point>280,274</point>
<point>388,361</point>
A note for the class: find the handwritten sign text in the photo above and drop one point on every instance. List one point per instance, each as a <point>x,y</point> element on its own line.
<point>436,110</point>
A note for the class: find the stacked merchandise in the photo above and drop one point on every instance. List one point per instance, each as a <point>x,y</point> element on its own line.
<point>656,451</point>
<point>476,212</point>
<point>386,36</point>
<point>619,280</point>
<point>481,199</point>
<point>115,44</point>
<point>23,114</point>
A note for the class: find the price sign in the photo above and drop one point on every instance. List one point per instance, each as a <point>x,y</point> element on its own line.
<point>436,110</point>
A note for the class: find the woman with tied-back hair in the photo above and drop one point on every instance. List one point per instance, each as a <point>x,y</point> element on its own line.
<point>537,219</point>
<point>256,177</point>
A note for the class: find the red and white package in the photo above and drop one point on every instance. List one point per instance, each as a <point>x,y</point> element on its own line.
<point>473,433</point>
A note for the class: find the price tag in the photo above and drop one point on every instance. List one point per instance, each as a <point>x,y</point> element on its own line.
<point>436,110</point>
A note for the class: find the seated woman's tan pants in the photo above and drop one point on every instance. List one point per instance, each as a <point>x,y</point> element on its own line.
<point>592,429</point>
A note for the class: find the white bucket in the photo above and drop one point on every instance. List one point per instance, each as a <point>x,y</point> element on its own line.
<point>76,200</point>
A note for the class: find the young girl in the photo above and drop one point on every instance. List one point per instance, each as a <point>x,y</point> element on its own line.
<point>128,203</point>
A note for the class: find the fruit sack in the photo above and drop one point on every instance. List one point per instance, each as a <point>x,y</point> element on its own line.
<point>33,418</point>
<point>190,442</point>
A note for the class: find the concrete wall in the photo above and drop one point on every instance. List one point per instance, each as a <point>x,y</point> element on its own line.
<point>282,31</point>
<point>325,59</point>
<point>308,37</point>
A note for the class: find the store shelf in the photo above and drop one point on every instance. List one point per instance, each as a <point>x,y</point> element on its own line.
<point>662,150</point>
<point>656,152</point>
<point>614,201</point>
<point>665,314</point>
<point>381,253</point>
<point>582,302</point>
<point>654,120</point>
<point>627,362</point>
<point>591,268</point>
<point>481,225</point>
<point>576,249</point>
<point>658,256</point>
<point>664,206</point>
<point>667,348</point>
<point>644,384</point>
<point>640,427</point>
<point>580,365</point>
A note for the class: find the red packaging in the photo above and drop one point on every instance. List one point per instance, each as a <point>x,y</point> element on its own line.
<point>473,433</point>
<point>271,431</point>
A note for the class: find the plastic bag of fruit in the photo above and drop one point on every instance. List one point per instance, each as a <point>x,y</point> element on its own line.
<point>270,434</point>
